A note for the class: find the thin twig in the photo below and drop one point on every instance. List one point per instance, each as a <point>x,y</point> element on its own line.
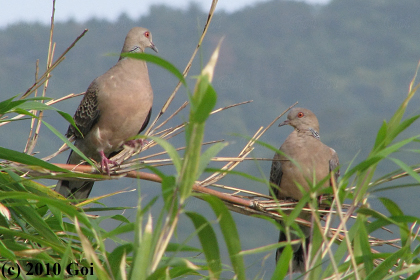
<point>28,142</point>
<point>51,51</point>
<point>55,64</point>
<point>150,130</point>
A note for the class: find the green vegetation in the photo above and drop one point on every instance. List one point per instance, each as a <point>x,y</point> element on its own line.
<point>349,61</point>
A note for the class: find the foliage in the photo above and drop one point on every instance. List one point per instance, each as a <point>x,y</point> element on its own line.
<point>41,232</point>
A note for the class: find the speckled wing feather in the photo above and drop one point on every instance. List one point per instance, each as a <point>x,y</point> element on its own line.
<point>334,163</point>
<point>87,114</point>
<point>276,173</point>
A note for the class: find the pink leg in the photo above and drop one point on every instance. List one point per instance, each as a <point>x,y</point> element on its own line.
<point>105,163</point>
<point>320,198</point>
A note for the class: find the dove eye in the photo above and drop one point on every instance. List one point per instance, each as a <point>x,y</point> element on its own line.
<point>147,34</point>
<point>300,115</point>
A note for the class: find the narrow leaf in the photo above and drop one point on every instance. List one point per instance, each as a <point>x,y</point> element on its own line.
<point>206,105</point>
<point>158,61</point>
<point>23,158</point>
<point>230,234</point>
<point>208,155</point>
<point>283,263</point>
<point>173,154</point>
<point>208,241</point>
<point>387,265</point>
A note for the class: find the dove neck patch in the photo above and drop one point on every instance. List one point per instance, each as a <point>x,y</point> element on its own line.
<point>136,49</point>
<point>315,134</point>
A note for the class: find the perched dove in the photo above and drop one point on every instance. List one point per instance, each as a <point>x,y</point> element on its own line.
<point>116,106</point>
<point>310,159</point>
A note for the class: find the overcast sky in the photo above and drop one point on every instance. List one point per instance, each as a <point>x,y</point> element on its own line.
<point>13,11</point>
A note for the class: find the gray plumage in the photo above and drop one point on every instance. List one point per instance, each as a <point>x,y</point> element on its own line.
<point>313,160</point>
<point>116,106</point>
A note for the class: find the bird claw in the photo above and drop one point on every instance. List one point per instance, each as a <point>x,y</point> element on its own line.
<point>105,162</point>
<point>134,143</point>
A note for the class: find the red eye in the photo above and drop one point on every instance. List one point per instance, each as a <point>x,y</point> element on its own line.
<point>300,114</point>
<point>147,34</point>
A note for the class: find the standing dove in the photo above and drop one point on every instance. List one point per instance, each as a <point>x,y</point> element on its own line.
<point>305,158</point>
<point>116,106</point>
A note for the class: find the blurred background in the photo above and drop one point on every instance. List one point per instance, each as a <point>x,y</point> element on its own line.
<point>350,62</point>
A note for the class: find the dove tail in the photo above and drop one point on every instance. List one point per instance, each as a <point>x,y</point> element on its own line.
<point>74,189</point>
<point>298,259</point>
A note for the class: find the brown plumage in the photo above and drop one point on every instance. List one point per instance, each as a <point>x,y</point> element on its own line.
<point>116,106</point>
<point>310,158</point>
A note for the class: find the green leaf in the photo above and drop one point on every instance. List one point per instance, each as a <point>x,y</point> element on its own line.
<point>381,219</point>
<point>173,154</point>
<point>208,241</point>
<point>208,155</point>
<point>290,219</point>
<point>174,247</point>
<point>316,249</point>
<point>9,104</point>
<point>387,265</point>
<point>178,272</point>
<point>262,249</point>
<point>362,238</point>
<point>119,230</point>
<point>180,267</point>
<point>67,257</point>
<point>396,118</point>
<point>24,112</point>
<point>38,239</point>
<point>65,140</point>
<point>11,179</point>
<point>230,234</point>
<point>395,147</point>
<point>70,119</point>
<point>6,253</point>
<point>38,98</point>
<point>91,255</point>
<point>395,210</point>
<point>121,218</point>
<point>116,256</point>
<point>168,189</point>
<point>34,105</point>
<point>364,165</point>
<point>402,126</point>
<point>343,251</point>
<point>407,169</point>
<point>283,263</point>
<point>158,61</point>
<point>32,218</point>
<point>393,220</point>
<point>391,206</point>
<point>414,269</point>
<point>23,158</point>
<point>380,137</point>
<point>142,258</point>
<point>206,105</point>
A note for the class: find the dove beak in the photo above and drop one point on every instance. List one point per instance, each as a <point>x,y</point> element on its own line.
<point>153,47</point>
<point>286,122</point>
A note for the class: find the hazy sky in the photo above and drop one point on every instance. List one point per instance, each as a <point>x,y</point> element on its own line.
<point>80,10</point>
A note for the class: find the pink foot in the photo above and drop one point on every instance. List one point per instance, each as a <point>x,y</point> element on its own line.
<point>105,162</point>
<point>136,142</point>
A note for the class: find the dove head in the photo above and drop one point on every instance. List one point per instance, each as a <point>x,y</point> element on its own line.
<point>137,40</point>
<point>302,119</point>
